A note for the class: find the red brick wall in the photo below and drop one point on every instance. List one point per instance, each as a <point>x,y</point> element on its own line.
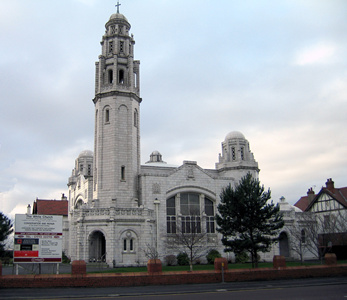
<point>78,267</point>
<point>136,279</point>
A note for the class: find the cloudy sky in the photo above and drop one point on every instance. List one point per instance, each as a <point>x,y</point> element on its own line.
<point>274,70</point>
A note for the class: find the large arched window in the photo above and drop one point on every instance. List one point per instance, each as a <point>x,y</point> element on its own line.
<point>190,213</point>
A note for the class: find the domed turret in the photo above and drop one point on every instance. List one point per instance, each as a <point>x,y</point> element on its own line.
<point>234,135</point>
<point>236,155</point>
<point>85,153</point>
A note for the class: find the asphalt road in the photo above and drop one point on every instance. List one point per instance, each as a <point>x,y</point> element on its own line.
<point>317,288</point>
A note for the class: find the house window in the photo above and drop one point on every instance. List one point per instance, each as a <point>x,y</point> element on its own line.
<point>303,236</point>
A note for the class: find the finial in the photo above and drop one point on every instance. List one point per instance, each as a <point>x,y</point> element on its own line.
<point>117,5</point>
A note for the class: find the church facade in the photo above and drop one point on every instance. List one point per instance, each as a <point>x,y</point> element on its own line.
<point>118,208</point>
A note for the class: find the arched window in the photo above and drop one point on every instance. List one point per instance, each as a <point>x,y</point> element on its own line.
<point>135,118</point>
<point>129,242</point>
<point>121,76</point>
<point>190,213</point>
<point>110,76</point>
<point>107,115</point>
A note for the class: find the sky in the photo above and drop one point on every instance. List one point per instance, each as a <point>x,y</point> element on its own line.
<point>274,70</point>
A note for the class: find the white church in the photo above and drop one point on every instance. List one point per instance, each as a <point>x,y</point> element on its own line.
<point>118,207</point>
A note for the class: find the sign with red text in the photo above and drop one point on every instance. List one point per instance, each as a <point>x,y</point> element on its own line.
<point>38,238</point>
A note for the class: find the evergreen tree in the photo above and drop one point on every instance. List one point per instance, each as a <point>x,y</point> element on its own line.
<point>6,228</point>
<point>246,220</point>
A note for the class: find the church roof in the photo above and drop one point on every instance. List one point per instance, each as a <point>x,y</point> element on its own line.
<point>50,207</point>
<point>118,16</point>
<point>234,135</point>
<point>86,153</point>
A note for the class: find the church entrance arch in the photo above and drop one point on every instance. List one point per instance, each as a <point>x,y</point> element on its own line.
<point>284,244</point>
<point>97,247</point>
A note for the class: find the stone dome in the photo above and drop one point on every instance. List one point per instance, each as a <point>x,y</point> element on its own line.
<point>118,16</point>
<point>234,135</point>
<point>86,153</point>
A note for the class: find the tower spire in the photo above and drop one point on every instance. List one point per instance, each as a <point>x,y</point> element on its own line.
<point>117,5</point>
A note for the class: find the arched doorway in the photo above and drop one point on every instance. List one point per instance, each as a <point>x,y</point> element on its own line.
<point>284,244</point>
<point>97,247</point>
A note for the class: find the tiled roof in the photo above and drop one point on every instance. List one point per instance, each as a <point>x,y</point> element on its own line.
<point>339,194</point>
<point>51,207</point>
<point>303,203</point>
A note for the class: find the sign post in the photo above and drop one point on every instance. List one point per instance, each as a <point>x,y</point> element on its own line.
<point>38,239</point>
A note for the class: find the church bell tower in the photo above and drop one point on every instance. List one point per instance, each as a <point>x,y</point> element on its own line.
<point>117,118</point>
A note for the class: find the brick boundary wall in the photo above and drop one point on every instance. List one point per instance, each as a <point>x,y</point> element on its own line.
<point>186,277</point>
<point>78,267</point>
<point>279,261</point>
<point>154,266</point>
<point>219,262</point>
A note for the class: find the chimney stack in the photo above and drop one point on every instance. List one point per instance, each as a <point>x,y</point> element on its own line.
<point>310,195</point>
<point>330,185</point>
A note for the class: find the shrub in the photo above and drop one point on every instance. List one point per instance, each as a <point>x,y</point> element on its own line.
<point>212,254</point>
<point>65,259</point>
<point>241,257</point>
<point>183,259</point>
<point>171,260</point>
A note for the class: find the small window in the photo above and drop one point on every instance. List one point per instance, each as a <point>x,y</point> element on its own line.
<point>113,29</point>
<point>303,236</point>
<point>125,245</point>
<point>242,153</point>
<point>107,115</point>
<point>135,118</point>
<point>122,173</point>
<point>89,169</point>
<point>233,154</point>
<point>121,76</point>
<point>131,245</point>
<point>110,76</point>
<point>110,47</point>
<point>121,47</point>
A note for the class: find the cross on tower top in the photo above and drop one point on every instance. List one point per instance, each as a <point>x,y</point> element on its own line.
<point>117,5</point>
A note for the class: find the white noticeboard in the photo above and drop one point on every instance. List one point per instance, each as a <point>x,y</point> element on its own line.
<point>38,238</point>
